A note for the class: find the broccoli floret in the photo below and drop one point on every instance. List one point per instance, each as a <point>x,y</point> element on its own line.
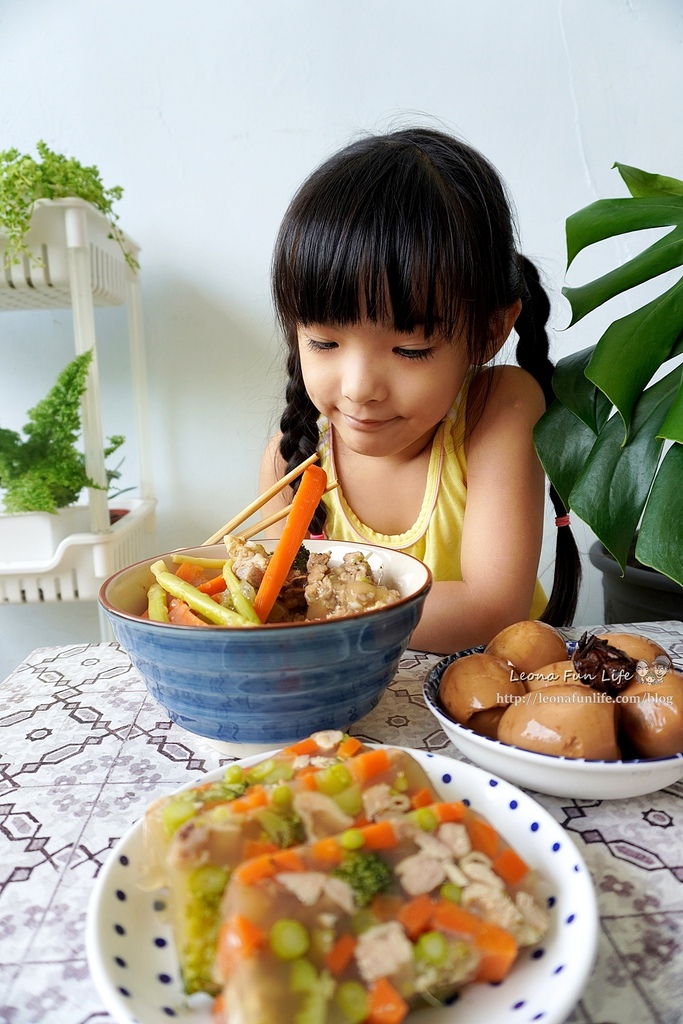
<point>300,562</point>
<point>366,873</point>
<point>284,830</point>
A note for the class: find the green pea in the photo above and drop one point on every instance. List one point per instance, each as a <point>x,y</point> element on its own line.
<point>289,939</point>
<point>352,999</point>
<point>432,947</point>
<point>425,819</point>
<point>303,976</point>
<point>352,839</point>
<point>333,779</point>
<point>233,773</point>
<point>176,813</point>
<point>281,797</point>
<point>207,881</point>
<point>451,892</point>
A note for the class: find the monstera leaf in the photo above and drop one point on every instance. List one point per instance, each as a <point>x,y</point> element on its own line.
<point>601,442</point>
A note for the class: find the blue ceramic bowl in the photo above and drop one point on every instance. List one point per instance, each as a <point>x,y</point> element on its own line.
<point>267,686</point>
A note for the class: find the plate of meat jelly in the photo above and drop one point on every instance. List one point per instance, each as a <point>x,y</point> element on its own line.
<point>133,963</point>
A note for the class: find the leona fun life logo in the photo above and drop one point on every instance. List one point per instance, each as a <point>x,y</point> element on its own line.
<point>653,672</point>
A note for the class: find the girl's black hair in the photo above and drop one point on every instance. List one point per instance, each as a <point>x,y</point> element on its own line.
<point>411,229</point>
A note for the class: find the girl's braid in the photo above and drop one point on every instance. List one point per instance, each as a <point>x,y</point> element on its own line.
<point>532,355</point>
<point>299,429</point>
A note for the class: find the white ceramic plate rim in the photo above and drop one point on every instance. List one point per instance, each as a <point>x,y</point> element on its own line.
<point>545,983</point>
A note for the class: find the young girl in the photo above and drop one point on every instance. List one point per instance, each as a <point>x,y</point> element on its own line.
<point>397,279</point>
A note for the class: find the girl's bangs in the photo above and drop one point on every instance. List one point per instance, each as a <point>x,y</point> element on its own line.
<point>345,259</point>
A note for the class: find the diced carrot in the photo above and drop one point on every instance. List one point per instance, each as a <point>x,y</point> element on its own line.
<point>180,614</point>
<point>311,490</point>
<point>386,1006</point>
<point>251,871</point>
<point>510,867</point>
<point>451,917</point>
<point>239,938</point>
<point>256,848</point>
<point>339,957</point>
<point>288,860</point>
<point>416,915</point>
<point>255,796</point>
<point>306,778</point>
<point>215,586</point>
<point>454,811</point>
<point>327,850</point>
<point>193,574</point>
<point>483,837</point>
<point>218,1010</point>
<point>498,950</point>
<point>372,762</point>
<point>497,947</point>
<point>380,835</point>
<point>307,746</point>
<point>349,747</point>
<point>422,798</point>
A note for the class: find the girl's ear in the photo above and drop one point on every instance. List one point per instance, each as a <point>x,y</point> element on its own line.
<point>501,323</point>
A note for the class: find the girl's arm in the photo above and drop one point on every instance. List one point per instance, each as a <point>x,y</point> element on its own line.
<point>503,523</point>
<point>273,469</point>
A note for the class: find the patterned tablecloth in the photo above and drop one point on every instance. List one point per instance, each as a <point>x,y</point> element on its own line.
<point>84,749</point>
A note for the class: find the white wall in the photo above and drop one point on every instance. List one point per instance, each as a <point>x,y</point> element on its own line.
<point>210,114</point>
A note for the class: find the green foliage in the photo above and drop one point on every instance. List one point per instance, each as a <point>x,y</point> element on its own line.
<point>366,873</point>
<point>601,442</point>
<point>24,180</point>
<point>45,471</point>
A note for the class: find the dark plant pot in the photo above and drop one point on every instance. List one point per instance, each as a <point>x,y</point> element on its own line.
<point>640,595</point>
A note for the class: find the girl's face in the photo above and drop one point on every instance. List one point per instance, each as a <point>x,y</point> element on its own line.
<point>384,392</point>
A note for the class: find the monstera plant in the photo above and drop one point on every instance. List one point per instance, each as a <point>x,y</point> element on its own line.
<point>612,442</point>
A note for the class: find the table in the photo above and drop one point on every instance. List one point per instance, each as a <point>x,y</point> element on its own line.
<point>84,749</point>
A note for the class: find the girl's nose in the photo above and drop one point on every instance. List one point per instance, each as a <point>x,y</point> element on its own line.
<point>362,381</point>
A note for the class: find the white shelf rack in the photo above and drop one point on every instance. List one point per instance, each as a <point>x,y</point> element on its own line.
<point>79,264</point>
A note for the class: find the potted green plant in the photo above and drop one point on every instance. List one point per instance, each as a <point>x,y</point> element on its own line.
<point>612,442</point>
<point>43,473</point>
<point>25,181</point>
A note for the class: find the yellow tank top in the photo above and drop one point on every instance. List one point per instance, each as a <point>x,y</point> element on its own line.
<point>435,536</point>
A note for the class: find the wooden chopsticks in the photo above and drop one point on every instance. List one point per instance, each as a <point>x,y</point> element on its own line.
<point>263,524</point>
<point>259,502</point>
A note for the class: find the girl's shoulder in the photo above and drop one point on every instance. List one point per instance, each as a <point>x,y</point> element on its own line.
<point>503,398</point>
<point>497,387</point>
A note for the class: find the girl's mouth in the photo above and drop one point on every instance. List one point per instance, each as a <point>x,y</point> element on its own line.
<point>365,424</point>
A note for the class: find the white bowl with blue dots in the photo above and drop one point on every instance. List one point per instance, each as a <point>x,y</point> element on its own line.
<point>132,957</point>
<point>575,777</point>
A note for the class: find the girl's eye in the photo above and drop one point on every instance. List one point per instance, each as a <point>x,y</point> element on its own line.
<point>320,346</point>
<point>415,353</point>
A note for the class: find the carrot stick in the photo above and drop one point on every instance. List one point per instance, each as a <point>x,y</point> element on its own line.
<point>306,499</point>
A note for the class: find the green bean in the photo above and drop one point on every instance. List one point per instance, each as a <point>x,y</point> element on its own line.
<point>242,605</point>
<point>204,563</point>
<point>197,601</point>
<point>156,604</point>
